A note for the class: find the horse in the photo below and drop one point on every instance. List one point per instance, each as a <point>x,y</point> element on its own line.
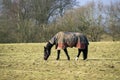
<point>62,40</point>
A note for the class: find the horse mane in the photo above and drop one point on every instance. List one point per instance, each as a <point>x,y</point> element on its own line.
<point>49,45</point>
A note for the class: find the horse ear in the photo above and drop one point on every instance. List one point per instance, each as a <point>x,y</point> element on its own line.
<point>44,47</point>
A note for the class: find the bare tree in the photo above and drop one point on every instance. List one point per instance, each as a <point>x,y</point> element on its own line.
<point>25,17</point>
<point>114,20</point>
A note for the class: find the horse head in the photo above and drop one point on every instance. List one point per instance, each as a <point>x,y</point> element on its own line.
<point>46,53</point>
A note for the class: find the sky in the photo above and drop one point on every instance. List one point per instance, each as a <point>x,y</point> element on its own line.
<point>106,2</point>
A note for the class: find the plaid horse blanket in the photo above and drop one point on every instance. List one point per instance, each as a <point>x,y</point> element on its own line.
<point>69,39</point>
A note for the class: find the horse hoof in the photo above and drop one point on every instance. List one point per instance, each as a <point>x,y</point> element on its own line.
<point>76,58</point>
<point>57,59</point>
<point>68,58</point>
<point>85,59</point>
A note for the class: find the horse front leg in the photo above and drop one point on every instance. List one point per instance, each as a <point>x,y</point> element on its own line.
<point>66,52</point>
<point>58,55</point>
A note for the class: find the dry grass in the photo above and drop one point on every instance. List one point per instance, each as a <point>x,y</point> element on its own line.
<point>25,62</point>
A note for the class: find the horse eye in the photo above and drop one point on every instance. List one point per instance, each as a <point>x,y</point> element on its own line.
<point>47,51</point>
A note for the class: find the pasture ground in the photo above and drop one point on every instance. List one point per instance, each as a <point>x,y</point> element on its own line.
<point>24,61</point>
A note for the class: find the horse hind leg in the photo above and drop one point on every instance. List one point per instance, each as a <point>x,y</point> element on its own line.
<point>85,53</point>
<point>79,51</point>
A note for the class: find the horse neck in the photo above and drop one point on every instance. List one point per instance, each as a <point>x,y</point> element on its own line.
<point>49,45</point>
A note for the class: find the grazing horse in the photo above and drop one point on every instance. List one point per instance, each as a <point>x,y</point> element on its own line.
<point>62,40</point>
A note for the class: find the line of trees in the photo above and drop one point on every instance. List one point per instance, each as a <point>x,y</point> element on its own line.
<point>39,20</point>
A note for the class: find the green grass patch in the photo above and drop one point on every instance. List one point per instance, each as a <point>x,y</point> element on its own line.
<point>25,62</point>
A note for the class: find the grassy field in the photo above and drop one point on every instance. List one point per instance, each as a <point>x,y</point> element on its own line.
<point>25,62</point>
